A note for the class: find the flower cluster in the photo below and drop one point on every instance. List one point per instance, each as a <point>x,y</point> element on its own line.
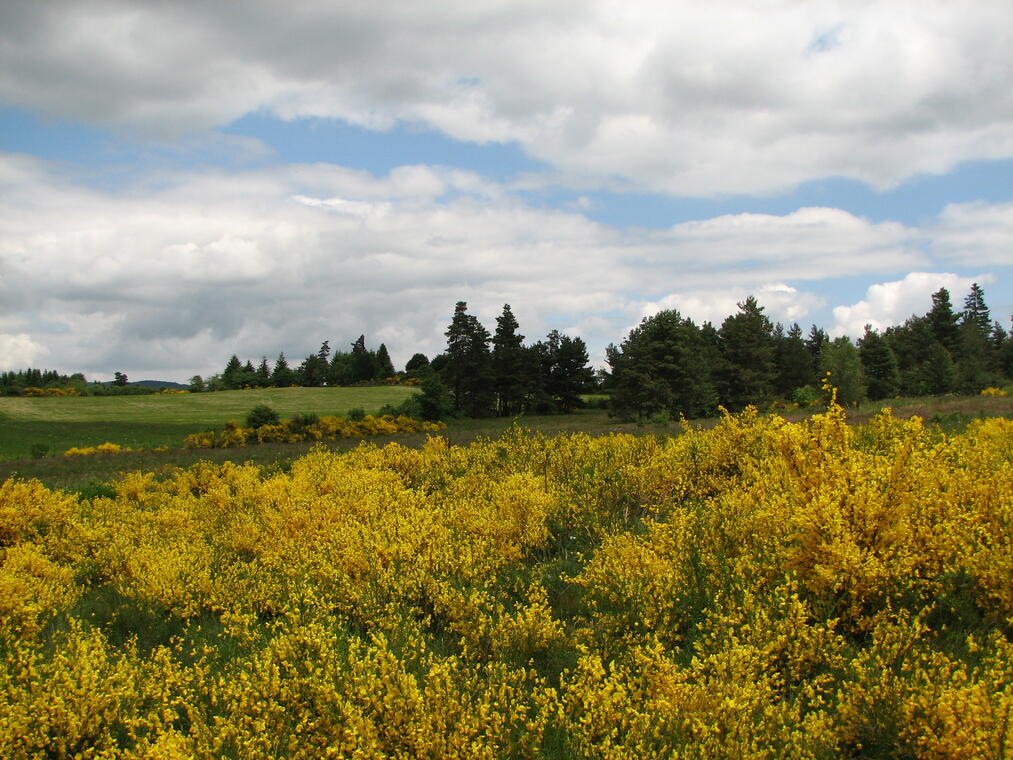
<point>324,428</point>
<point>763,589</point>
<point>102,448</point>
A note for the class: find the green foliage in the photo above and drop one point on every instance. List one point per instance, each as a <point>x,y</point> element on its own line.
<point>841,359</point>
<point>355,414</point>
<point>261,415</point>
<point>879,365</point>
<point>662,366</point>
<point>434,401</point>
<point>39,450</point>
<point>747,371</point>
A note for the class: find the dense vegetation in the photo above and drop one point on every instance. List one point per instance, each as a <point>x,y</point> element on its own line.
<point>668,365</point>
<point>763,589</point>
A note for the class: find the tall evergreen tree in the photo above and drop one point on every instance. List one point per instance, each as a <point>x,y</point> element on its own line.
<point>508,363</point>
<point>747,371</point>
<point>943,322</point>
<point>976,311</point>
<point>232,375</point>
<point>263,373</point>
<point>663,366</point>
<point>879,365</point>
<point>569,375</point>
<point>282,375</point>
<point>468,366</point>
<point>363,362</point>
<point>384,366</point>
<point>794,363</point>
<point>814,343</point>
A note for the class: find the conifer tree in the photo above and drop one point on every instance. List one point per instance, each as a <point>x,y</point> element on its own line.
<point>282,376</point>
<point>468,367</point>
<point>841,359</point>
<point>384,366</point>
<point>794,363</point>
<point>508,363</point>
<point>747,371</point>
<point>879,365</point>
<point>363,362</point>
<point>943,322</point>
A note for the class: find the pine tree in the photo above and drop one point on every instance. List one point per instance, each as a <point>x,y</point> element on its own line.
<point>282,376</point>
<point>232,375</point>
<point>747,371</point>
<point>569,375</point>
<point>468,366</point>
<point>663,365</point>
<point>363,361</point>
<point>943,322</point>
<point>882,377</point>
<point>794,363</point>
<point>384,366</point>
<point>263,373</point>
<point>508,363</point>
<point>976,311</point>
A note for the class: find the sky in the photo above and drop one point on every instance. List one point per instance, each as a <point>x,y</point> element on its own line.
<point>182,181</point>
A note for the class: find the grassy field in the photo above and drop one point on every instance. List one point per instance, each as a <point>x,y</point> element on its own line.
<point>163,419</point>
<point>153,424</point>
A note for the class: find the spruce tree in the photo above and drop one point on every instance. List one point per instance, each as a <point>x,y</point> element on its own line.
<point>282,376</point>
<point>882,377</point>
<point>663,365</point>
<point>384,366</point>
<point>943,322</point>
<point>794,363</point>
<point>363,362</point>
<point>747,371</point>
<point>468,367</point>
<point>508,368</point>
<point>976,311</point>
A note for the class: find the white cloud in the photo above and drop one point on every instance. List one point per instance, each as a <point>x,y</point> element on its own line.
<point>977,234</point>
<point>781,303</point>
<point>890,303</point>
<point>170,277</point>
<point>688,98</point>
<point>19,351</point>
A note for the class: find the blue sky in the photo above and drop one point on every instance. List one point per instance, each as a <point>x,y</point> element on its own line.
<point>216,181</point>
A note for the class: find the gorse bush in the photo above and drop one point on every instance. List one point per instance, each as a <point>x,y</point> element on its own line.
<point>760,590</point>
<point>308,427</point>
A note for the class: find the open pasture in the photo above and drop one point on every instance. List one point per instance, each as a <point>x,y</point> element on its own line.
<point>163,419</point>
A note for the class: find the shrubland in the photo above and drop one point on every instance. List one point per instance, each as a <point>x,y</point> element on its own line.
<point>763,589</point>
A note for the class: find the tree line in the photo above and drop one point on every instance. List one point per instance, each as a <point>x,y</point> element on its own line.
<point>359,365</point>
<point>669,365</point>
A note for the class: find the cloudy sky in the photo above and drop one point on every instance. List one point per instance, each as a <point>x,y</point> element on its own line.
<point>180,181</point>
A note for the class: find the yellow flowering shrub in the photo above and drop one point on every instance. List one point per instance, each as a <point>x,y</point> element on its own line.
<point>102,448</point>
<point>763,589</point>
<point>326,428</point>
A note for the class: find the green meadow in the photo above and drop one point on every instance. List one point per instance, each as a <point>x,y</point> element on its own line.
<point>163,419</point>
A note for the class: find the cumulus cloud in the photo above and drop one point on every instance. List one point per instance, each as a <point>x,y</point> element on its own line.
<point>693,99</point>
<point>979,234</point>
<point>169,277</point>
<point>19,351</point>
<point>781,303</point>
<point>890,303</point>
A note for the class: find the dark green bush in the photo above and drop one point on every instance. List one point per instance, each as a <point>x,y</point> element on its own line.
<point>261,415</point>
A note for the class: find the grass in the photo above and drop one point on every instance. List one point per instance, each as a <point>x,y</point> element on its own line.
<point>162,419</point>
<point>951,413</point>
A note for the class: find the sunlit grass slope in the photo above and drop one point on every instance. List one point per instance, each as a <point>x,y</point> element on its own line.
<point>163,419</point>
